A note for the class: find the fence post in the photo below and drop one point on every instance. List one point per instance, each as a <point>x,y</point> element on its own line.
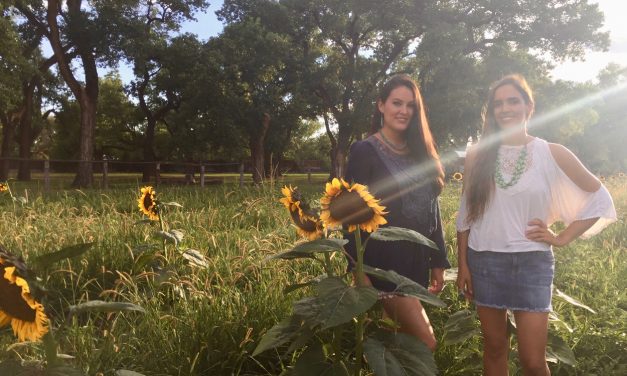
<point>105,174</point>
<point>241,175</point>
<point>309,175</point>
<point>46,176</point>
<point>202,176</point>
<point>158,174</point>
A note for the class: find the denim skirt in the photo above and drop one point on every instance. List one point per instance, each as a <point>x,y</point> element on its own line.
<point>520,281</point>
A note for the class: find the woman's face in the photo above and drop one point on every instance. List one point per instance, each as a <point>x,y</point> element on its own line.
<point>510,108</point>
<point>398,109</point>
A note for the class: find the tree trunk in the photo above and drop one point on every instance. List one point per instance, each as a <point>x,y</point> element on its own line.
<point>8,132</point>
<point>149,151</point>
<point>87,95</point>
<point>257,140</point>
<point>190,171</point>
<point>339,150</point>
<point>84,175</point>
<point>25,132</point>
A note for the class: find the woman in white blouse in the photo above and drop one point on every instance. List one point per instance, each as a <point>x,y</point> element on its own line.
<point>516,186</point>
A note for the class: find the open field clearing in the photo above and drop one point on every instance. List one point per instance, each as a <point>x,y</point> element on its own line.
<point>205,311</point>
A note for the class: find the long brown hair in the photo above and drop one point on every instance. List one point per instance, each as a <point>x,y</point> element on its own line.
<point>481,179</point>
<point>418,134</point>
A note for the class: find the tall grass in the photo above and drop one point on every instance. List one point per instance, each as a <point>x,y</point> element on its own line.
<point>208,320</point>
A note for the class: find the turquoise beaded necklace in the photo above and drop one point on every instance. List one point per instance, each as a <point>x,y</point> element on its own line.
<point>518,170</point>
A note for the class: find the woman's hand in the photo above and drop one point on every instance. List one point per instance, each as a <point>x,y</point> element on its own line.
<point>539,232</point>
<point>464,282</point>
<point>437,280</point>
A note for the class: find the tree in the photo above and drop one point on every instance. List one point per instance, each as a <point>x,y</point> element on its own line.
<point>12,61</point>
<point>97,32</point>
<point>160,64</point>
<point>349,47</point>
<point>255,90</point>
<point>22,117</point>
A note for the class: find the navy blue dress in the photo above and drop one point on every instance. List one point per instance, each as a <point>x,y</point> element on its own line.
<point>407,192</point>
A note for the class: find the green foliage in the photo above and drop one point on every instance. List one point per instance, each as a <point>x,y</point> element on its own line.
<point>45,261</point>
<point>391,233</point>
<point>209,320</point>
<point>398,354</point>
<point>306,250</point>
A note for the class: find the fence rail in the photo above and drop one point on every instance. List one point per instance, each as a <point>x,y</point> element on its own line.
<point>106,167</point>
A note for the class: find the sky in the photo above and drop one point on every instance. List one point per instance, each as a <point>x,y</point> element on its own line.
<point>615,22</point>
<point>207,25</point>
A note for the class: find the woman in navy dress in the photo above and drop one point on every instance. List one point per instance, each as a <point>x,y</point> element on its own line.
<point>401,167</point>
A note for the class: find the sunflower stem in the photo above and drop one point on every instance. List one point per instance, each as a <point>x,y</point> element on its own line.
<point>164,243</point>
<point>328,268</point>
<point>11,194</point>
<point>360,259</point>
<point>359,330</point>
<point>50,349</point>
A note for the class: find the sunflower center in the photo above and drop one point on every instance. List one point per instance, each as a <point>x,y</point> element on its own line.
<point>11,301</point>
<point>350,208</point>
<point>148,202</point>
<point>303,223</point>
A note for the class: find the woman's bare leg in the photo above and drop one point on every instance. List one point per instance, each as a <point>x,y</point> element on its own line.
<point>495,340</point>
<point>409,314</point>
<point>532,331</point>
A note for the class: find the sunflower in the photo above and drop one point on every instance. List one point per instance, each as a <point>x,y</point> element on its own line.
<point>18,307</point>
<point>4,187</point>
<point>458,176</point>
<point>352,206</point>
<point>147,203</point>
<point>305,219</point>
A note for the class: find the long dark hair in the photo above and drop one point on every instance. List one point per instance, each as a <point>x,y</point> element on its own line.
<point>481,180</point>
<point>418,134</point>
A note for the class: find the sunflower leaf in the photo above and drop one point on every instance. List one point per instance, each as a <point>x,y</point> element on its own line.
<point>175,204</point>
<point>405,285</point>
<point>460,326</point>
<point>174,236</point>
<point>307,249</point>
<point>567,298</point>
<point>63,370</point>
<point>102,306</point>
<point>392,233</point>
<point>13,367</point>
<point>555,320</point>
<point>66,252</point>
<point>338,302</point>
<point>558,350</point>
<point>195,258</point>
<point>314,362</point>
<point>125,372</point>
<point>390,353</point>
<point>297,286</point>
<point>279,334</point>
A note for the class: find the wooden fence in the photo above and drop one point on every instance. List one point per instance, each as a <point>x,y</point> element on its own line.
<point>187,169</point>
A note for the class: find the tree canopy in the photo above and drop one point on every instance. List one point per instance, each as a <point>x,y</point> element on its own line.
<point>280,66</point>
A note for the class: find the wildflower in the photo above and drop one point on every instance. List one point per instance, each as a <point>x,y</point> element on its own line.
<point>621,174</point>
<point>4,187</point>
<point>17,306</point>
<point>147,203</point>
<point>307,221</point>
<point>458,176</point>
<point>352,206</point>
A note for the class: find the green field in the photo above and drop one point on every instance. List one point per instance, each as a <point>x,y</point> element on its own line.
<point>207,320</point>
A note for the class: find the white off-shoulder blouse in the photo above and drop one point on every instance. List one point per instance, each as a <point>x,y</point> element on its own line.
<point>544,191</point>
